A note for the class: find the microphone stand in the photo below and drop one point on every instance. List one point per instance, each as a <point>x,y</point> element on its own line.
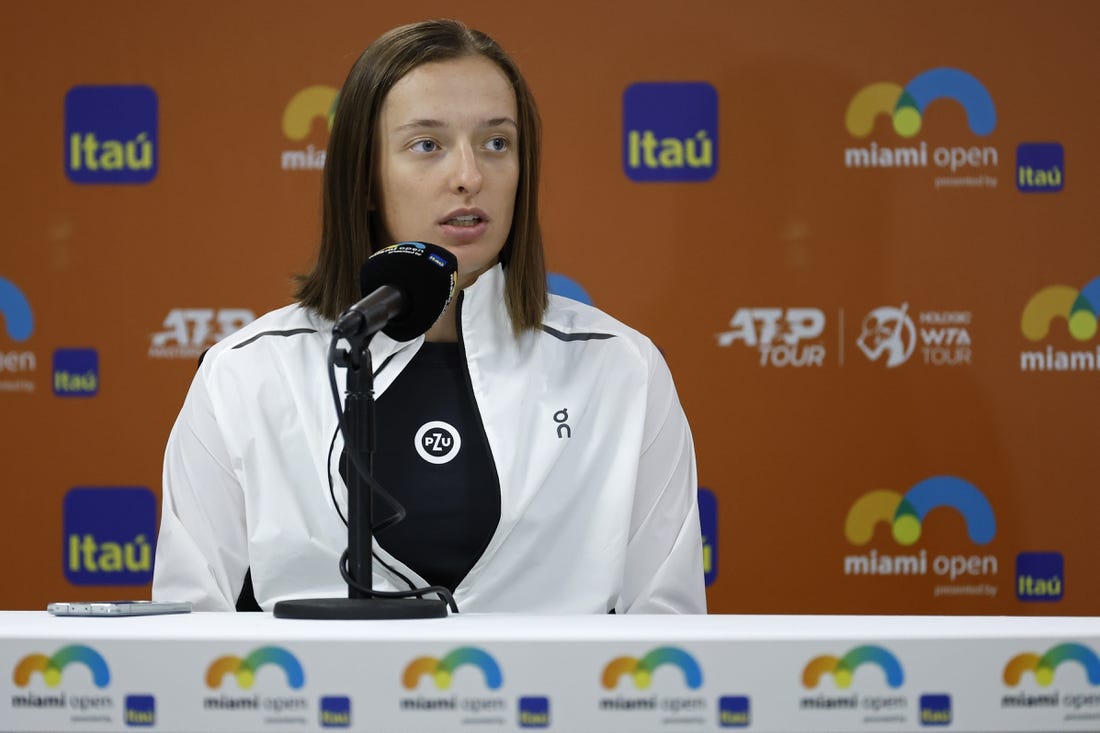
<point>361,602</point>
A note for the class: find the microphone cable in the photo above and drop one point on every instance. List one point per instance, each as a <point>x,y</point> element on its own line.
<point>399,510</point>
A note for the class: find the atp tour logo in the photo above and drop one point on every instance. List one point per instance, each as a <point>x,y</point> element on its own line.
<point>191,331</point>
<point>111,134</point>
<point>843,671</point>
<point>905,515</point>
<point>785,337</point>
<point>1079,310</point>
<point>18,327</point>
<point>906,107</point>
<point>641,671</point>
<point>889,336</point>
<point>299,116</point>
<point>245,671</point>
<point>52,670</point>
<point>670,131</point>
<point>1042,668</point>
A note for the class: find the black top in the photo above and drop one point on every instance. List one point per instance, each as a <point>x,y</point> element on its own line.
<point>431,453</point>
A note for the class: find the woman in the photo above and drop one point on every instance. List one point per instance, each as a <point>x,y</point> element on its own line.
<point>537,444</point>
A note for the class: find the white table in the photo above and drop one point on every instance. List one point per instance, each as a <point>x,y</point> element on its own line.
<point>254,672</point>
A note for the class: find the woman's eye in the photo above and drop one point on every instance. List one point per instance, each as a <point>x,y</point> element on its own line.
<point>425,146</point>
<point>497,143</point>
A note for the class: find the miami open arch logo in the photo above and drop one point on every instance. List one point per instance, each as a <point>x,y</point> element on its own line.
<point>307,105</point>
<point>641,670</point>
<point>51,668</point>
<point>1080,311</point>
<point>244,669</point>
<point>1044,666</point>
<point>905,515</point>
<point>843,669</point>
<point>906,106</point>
<point>442,670</point>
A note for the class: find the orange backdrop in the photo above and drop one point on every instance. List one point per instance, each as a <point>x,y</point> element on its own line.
<point>875,300</point>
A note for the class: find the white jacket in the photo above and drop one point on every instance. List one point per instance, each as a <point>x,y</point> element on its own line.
<point>597,517</point>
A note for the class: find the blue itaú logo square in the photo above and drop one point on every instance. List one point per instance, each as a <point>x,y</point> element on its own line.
<point>708,521</point>
<point>336,711</point>
<point>75,372</point>
<point>534,712</point>
<point>935,710</point>
<point>111,134</point>
<point>109,535</point>
<point>140,711</point>
<point>1040,167</point>
<point>670,131</point>
<point>733,711</point>
<point>1040,576</point>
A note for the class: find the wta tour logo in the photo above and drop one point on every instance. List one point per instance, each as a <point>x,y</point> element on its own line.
<point>904,515</point>
<point>907,107</point>
<point>1079,311</point>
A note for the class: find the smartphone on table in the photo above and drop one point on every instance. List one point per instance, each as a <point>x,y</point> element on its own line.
<point>118,608</point>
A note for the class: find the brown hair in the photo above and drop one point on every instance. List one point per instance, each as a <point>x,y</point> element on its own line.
<point>351,230</point>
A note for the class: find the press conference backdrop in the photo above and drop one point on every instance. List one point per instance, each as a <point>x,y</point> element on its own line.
<point>863,234</point>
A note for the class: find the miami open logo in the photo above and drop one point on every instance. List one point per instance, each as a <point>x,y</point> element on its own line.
<point>1044,666</point>
<point>306,106</point>
<point>442,670</point>
<point>1079,309</point>
<point>641,670</point>
<point>843,669</point>
<point>906,105</point>
<point>905,515</point>
<point>51,668</point>
<point>245,670</point>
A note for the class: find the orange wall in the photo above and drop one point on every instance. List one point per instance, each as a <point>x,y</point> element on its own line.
<point>780,223</point>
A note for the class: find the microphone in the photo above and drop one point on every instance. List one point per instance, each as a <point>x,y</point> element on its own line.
<point>405,287</point>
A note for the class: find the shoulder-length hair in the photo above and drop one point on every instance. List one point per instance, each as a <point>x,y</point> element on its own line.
<point>351,228</point>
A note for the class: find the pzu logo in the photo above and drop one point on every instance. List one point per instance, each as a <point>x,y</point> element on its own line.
<point>779,334</point>
<point>437,442</point>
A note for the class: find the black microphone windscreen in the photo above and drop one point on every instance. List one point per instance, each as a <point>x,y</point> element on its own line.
<point>425,274</point>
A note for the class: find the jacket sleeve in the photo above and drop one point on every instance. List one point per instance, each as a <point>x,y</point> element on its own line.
<point>664,556</point>
<point>202,549</point>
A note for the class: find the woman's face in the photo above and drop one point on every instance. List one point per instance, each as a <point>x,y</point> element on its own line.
<point>448,160</point>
